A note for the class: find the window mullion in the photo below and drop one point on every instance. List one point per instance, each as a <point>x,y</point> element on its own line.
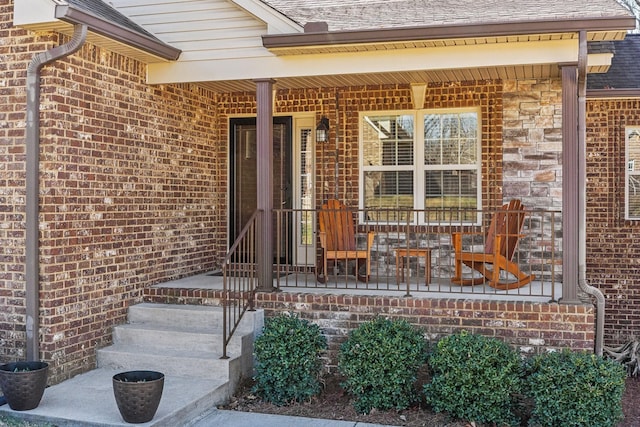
<point>419,162</point>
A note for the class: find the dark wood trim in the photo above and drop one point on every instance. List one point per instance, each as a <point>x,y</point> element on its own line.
<point>570,183</point>
<point>613,93</point>
<point>438,32</point>
<point>264,186</point>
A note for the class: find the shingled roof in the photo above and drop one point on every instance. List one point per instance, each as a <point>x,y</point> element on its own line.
<point>365,14</point>
<point>623,72</point>
<point>102,10</point>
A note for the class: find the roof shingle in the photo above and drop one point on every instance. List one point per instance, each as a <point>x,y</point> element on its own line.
<point>623,72</point>
<point>367,14</point>
<point>102,10</point>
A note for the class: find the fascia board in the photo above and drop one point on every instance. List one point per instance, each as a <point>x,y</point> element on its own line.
<point>432,58</point>
<point>116,32</point>
<point>439,32</point>
<point>632,93</point>
<point>34,12</point>
<point>277,23</point>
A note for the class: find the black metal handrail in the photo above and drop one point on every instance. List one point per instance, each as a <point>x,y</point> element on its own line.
<point>413,252</point>
<point>239,280</point>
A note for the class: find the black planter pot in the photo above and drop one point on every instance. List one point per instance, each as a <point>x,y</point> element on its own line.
<point>138,394</point>
<point>23,384</point>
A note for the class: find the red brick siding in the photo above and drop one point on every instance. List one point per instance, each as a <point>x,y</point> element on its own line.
<point>130,195</point>
<point>613,248</point>
<point>16,50</point>
<point>531,328</point>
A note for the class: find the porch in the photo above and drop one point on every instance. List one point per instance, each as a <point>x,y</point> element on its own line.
<point>425,235</point>
<point>423,288</point>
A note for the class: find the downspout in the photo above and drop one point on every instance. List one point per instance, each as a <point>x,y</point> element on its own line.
<point>582,196</point>
<point>32,159</point>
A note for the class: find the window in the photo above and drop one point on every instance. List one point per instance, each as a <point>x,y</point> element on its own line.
<point>423,160</point>
<point>632,175</point>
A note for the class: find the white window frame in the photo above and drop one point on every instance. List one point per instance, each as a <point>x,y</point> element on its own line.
<point>419,167</point>
<point>632,172</point>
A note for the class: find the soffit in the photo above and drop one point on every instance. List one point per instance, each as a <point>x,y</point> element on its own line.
<point>469,41</point>
<point>99,40</point>
<point>403,78</point>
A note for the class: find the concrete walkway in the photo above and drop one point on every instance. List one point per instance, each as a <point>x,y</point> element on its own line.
<point>87,401</point>
<point>249,419</point>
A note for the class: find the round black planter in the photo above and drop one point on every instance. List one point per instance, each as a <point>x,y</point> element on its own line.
<point>23,384</point>
<point>138,394</point>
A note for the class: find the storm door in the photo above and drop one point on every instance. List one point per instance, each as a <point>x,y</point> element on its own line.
<point>243,184</point>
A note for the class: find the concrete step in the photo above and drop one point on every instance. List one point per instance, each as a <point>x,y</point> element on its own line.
<point>187,317</point>
<point>154,337</point>
<point>182,340</point>
<point>178,316</point>
<point>202,364</point>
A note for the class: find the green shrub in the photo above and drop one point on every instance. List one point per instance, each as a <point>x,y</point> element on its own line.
<point>575,389</point>
<point>288,361</point>
<point>475,378</point>
<point>380,362</point>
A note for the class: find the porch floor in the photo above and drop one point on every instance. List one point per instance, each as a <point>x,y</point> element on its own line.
<point>439,288</point>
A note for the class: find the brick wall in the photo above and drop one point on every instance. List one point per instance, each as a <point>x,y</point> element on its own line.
<point>613,251</point>
<point>531,328</point>
<point>16,50</point>
<point>130,194</point>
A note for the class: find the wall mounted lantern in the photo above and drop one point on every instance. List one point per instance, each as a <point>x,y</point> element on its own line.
<point>322,130</point>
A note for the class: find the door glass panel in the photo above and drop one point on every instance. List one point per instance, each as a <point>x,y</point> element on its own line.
<point>306,187</point>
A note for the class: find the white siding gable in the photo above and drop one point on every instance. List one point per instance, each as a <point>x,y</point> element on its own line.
<point>207,29</point>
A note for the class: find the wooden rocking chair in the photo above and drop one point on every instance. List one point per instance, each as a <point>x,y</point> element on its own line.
<point>338,240</point>
<point>500,244</point>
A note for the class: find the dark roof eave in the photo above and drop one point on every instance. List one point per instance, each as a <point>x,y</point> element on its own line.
<point>73,15</point>
<point>613,93</point>
<point>454,31</point>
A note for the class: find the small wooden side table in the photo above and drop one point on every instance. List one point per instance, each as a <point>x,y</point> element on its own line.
<point>402,253</point>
